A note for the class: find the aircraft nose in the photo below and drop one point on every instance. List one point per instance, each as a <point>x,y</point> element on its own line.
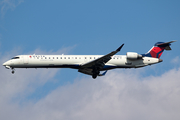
<point>6,63</point>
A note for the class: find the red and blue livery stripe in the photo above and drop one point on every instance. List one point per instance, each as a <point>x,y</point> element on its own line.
<point>157,50</point>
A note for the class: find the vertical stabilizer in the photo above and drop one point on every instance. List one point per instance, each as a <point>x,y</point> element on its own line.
<point>157,50</point>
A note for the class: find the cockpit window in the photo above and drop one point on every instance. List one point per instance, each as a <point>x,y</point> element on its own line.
<point>15,58</point>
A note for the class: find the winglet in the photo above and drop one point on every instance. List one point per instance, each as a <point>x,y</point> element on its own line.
<point>120,48</point>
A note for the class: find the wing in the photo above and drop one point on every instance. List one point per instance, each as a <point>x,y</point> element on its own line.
<point>97,64</point>
<point>102,60</point>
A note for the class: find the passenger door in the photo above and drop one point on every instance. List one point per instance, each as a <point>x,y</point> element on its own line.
<point>26,59</point>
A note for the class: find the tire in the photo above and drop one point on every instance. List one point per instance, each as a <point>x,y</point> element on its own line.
<point>94,76</point>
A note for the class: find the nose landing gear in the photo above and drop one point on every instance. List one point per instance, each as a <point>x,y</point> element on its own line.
<point>13,70</point>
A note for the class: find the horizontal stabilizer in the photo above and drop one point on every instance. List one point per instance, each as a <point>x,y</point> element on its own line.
<point>165,44</point>
<point>168,48</point>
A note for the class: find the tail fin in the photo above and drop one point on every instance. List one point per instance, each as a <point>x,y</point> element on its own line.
<point>157,50</point>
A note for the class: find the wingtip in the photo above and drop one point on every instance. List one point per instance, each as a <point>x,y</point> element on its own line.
<point>120,47</point>
<point>173,41</point>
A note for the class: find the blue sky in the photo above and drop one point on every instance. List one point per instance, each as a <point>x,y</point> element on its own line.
<point>83,27</point>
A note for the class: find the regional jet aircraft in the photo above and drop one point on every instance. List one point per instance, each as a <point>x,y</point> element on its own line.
<point>91,64</point>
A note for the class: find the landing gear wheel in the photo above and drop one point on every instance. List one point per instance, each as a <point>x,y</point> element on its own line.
<point>94,76</point>
<point>95,73</point>
<point>13,70</point>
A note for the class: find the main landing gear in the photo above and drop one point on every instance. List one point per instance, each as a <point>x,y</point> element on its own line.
<point>95,73</point>
<point>94,76</point>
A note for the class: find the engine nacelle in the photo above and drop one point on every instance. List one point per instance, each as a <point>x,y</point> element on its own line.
<point>133,55</point>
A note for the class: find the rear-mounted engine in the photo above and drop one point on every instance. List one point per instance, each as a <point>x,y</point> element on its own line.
<point>133,56</point>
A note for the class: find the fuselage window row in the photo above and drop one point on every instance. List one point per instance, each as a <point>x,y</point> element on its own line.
<point>90,58</point>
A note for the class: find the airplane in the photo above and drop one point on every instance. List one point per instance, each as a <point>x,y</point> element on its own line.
<point>91,64</point>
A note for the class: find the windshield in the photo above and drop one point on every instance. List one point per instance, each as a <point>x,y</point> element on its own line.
<point>15,58</point>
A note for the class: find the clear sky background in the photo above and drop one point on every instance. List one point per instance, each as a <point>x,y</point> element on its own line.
<point>89,27</point>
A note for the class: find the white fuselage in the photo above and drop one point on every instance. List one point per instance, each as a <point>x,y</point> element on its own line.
<point>75,61</point>
<point>90,64</point>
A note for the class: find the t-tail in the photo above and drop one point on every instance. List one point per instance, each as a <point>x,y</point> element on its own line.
<point>157,50</point>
